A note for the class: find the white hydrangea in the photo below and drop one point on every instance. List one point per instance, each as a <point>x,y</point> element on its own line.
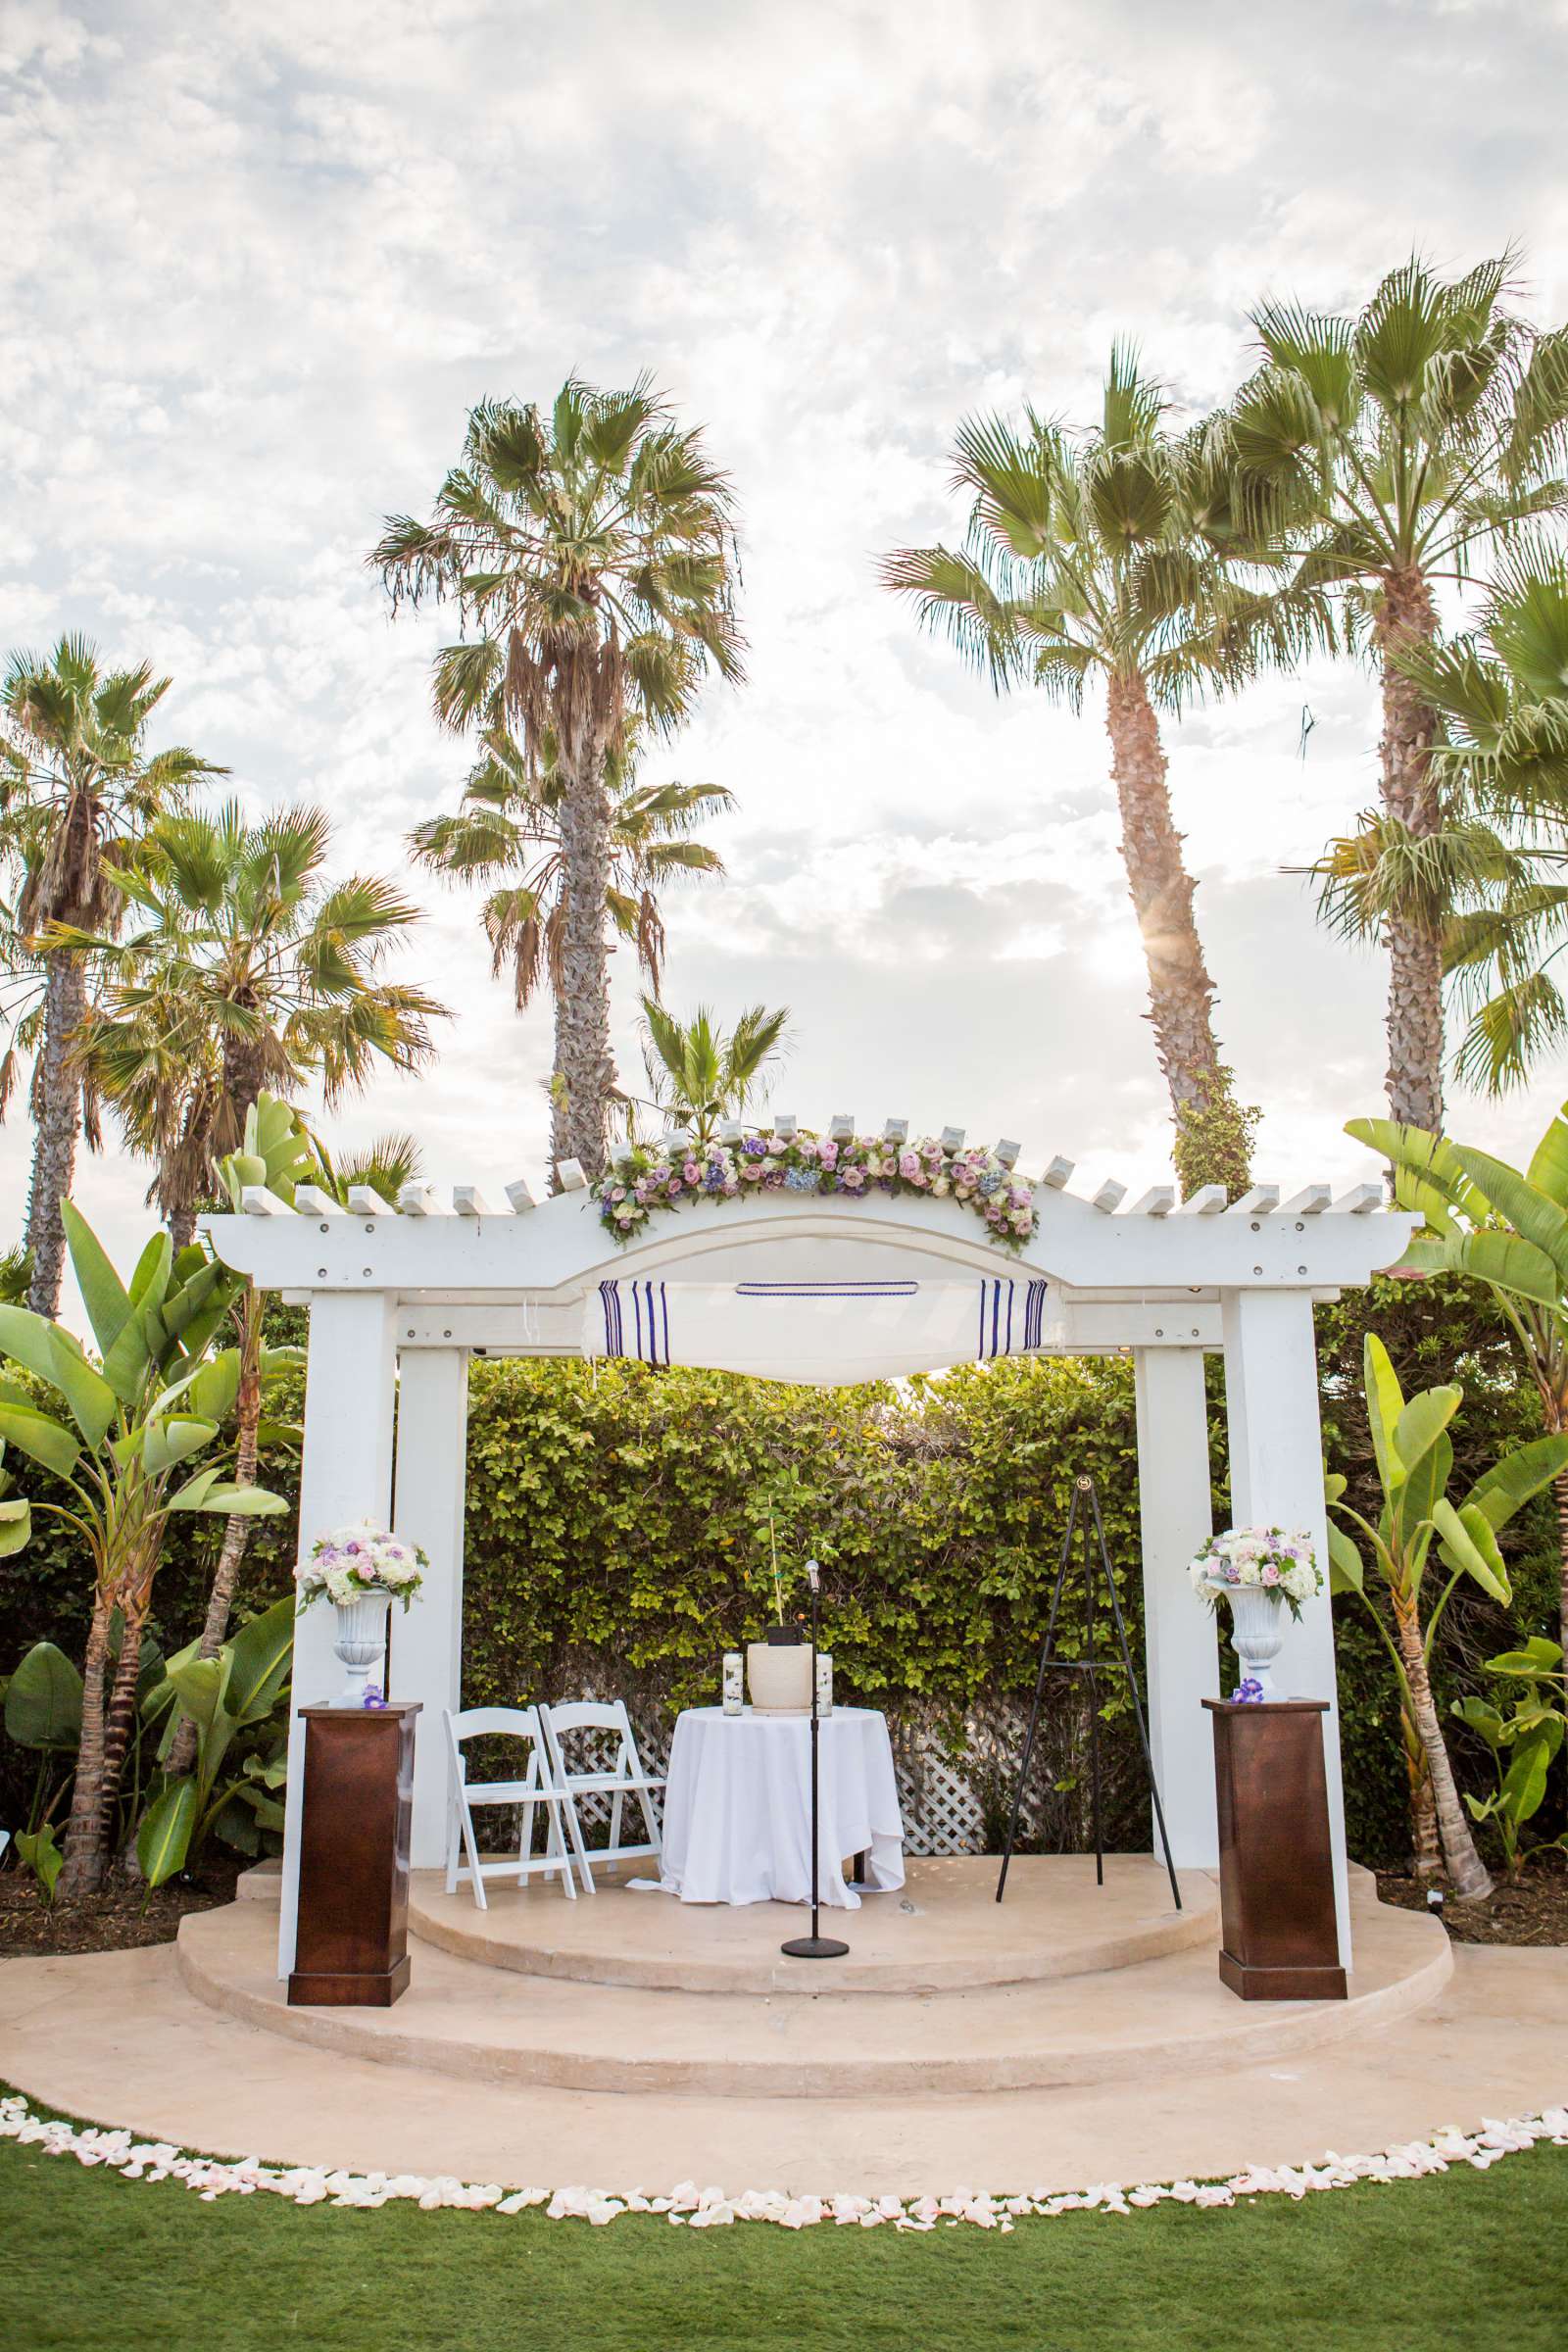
<point>349,1562</point>
<point>1270,1559</point>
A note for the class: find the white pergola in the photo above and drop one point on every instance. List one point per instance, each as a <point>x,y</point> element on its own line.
<point>401,1301</point>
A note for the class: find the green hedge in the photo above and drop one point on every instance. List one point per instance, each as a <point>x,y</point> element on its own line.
<point>617,1534</point>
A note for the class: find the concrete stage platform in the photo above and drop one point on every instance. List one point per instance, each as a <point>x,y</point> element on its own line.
<point>943,1931</point>
<point>486,2015</point>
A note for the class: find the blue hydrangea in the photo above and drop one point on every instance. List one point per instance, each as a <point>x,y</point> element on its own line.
<point>801,1180</point>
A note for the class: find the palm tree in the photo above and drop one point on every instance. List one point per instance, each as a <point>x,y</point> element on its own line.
<point>1503,695</point>
<point>591,552</point>
<point>1398,444</point>
<point>248,969</point>
<point>1110,556</point>
<point>700,1073</point>
<point>507,830</point>
<point>77,783</point>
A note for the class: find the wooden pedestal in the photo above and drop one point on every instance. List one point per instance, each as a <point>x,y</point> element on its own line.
<point>1276,1868</point>
<point>351,1945</point>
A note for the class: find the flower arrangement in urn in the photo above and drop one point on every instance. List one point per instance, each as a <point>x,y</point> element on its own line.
<point>360,1569</point>
<point>1259,1570</point>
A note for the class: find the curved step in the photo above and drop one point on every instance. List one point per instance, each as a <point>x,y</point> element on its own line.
<point>1169,2015</point>
<point>943,1932</point>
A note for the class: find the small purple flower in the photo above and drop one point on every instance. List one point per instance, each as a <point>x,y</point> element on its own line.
<point>1248,1693</point>
<point>755,1148</point>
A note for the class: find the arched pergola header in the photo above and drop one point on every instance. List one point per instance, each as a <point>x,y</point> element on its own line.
<point>525,1281</point>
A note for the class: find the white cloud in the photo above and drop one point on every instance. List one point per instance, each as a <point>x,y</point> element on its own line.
<point>261,263</point>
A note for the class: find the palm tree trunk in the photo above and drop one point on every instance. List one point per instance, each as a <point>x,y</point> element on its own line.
<point>585,1070</point>
<point>1469,1874</point>
<point>237,1530</point>
<point>84,1865</point>
<point>1426,1847</point>
<point>1180,991</point>
<point>244,1071</point>
<point>59,1117</point>
<point>1414,1023</point>
<point>119,1722</point>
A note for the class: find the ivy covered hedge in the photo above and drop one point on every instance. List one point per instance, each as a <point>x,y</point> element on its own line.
<point>619,1534</point>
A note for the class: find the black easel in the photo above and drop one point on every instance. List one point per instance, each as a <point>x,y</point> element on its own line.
<point>814,1946</point>
<point>1077,1519</point>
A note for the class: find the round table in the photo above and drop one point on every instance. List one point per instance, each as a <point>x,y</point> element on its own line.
<point>737,1807</point>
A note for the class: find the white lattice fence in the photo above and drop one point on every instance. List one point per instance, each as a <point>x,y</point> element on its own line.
<point>942,1814</point>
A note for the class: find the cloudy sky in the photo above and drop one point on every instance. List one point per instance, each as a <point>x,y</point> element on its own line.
<point>260,263</point>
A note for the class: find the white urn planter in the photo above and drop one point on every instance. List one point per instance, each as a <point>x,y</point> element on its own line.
<point>778,1676</point>
<point>361,1644</point>
<point>1258,1635</point>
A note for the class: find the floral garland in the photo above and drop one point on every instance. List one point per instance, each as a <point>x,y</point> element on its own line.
<point>211,2178</point>
<point>1263,1558</point>
<point>350,1562</point>
<point>647,1177</point>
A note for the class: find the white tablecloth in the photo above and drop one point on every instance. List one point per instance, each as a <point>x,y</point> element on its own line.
<point>737,1809</point>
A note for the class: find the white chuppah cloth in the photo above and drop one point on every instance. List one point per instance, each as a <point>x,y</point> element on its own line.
<point>821,1330</point>
<point>738,1807</point>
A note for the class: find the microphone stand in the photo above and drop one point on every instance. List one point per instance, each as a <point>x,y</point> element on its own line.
<point>814,1946</point>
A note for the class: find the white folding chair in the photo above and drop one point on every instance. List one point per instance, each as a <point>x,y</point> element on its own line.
<point>626,1778</point>
<point>536,1788</point>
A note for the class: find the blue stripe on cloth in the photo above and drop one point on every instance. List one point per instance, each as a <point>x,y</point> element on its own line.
<point>994,1340</point>
<point>647,1336</point>
<point>826,1290</point>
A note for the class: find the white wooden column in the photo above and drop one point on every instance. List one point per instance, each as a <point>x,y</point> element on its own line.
<point>1276,1450</point>
<point>345,1473</point>
<point>1181,1643</point>
<point>427,1643</point>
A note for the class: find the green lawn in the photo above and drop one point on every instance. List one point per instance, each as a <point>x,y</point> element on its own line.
<point>1473,2260</point>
